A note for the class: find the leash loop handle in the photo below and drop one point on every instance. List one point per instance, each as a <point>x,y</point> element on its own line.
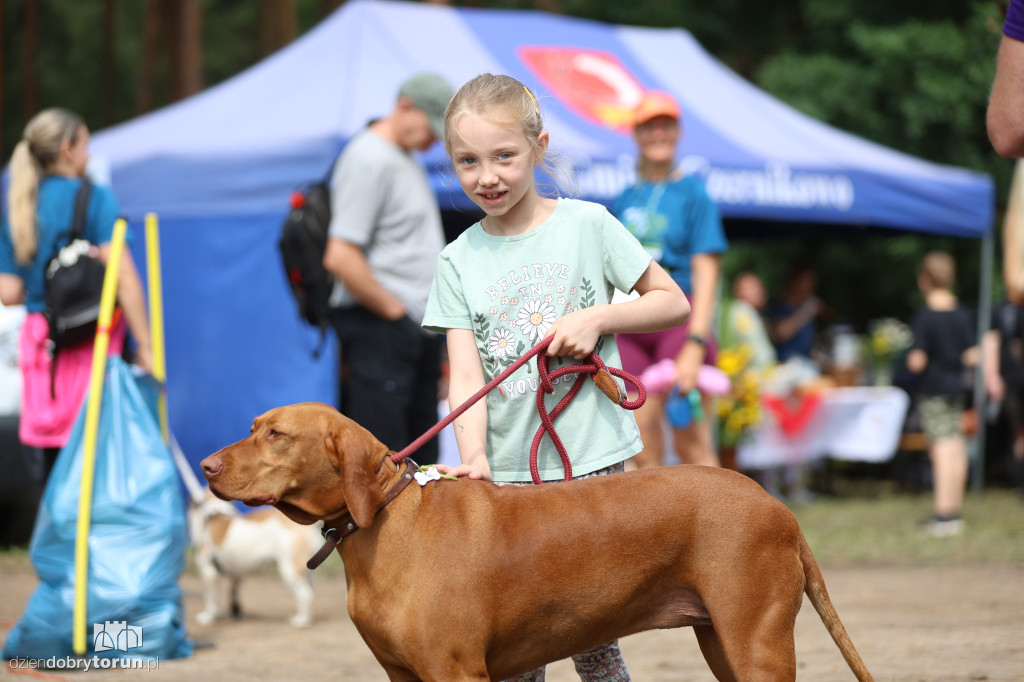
<point>591,367</point>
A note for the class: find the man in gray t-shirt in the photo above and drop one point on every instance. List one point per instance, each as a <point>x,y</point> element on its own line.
<point>384,238</point>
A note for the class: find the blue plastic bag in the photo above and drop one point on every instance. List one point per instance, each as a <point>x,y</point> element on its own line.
<point>137,541</point>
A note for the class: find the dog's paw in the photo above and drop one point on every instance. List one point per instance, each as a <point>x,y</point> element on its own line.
<point>205,617</point>
<point>301,621</point>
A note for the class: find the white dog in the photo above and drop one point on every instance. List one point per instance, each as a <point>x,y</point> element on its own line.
<point>234,545</point>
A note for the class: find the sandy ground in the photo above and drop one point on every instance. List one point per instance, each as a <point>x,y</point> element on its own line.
<point>909,624</point>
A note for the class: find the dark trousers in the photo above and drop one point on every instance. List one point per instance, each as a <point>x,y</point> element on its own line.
<point>390,375</point>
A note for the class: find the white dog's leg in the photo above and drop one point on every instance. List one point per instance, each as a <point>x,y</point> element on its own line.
<point>299,581</point>
<point>210,576</point>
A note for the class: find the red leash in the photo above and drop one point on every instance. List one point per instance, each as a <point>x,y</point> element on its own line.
<point>592,367</point>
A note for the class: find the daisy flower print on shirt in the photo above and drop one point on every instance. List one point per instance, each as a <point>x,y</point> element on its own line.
<point>535,318</point>
<point>501,343</point>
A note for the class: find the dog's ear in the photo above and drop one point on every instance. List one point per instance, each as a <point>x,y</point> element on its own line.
<point>353,447</point>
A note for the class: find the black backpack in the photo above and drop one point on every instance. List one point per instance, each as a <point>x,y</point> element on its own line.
<point>303,242</point>
<point>74,283</point>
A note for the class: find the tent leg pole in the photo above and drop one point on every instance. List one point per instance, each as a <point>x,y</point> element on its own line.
<point>980,396</point>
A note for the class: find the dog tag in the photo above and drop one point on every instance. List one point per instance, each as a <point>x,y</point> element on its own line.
<point>424,477</point>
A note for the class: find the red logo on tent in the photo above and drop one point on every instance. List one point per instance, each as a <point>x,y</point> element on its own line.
<point>592,83</point>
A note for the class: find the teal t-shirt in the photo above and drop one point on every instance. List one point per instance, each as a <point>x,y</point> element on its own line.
<point>673,220</point>
<point>509,291</point>
<point>54,211</point>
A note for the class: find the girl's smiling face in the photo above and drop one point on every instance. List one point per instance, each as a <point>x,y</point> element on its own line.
<point>494,162</point>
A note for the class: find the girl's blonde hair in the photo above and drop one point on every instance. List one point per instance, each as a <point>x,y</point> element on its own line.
<point>37,150</point>
<point>503,98</point>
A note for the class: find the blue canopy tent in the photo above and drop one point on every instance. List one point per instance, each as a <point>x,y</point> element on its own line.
<point>219,166</point>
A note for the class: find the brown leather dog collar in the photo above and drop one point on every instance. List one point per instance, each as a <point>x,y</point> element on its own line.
<point>336,529</point>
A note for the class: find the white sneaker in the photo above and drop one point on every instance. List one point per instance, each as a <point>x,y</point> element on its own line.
<point>944,528</point>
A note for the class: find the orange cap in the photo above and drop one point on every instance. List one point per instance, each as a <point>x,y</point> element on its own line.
<point>655,103</point>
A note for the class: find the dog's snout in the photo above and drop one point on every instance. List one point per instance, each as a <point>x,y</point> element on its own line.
<point>211,466</point>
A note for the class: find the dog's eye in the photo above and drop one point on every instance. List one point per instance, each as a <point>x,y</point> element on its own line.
<point>274,433</point>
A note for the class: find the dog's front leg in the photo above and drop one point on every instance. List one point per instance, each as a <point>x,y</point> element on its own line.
<point>210,576</point>
<point>299,582</point>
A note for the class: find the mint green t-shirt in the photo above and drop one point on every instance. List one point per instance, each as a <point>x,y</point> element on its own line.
<point>509,291</point>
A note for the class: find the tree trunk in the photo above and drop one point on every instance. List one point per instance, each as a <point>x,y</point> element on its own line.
<point>29,86</point>
<point>184,21</point>
<point>190,50</point>
<point>277,25</point>
<point>108,72</point>
<point>3,66</point>
<point>553,6</point>
<point>147,67</point>
<point>328,6</point>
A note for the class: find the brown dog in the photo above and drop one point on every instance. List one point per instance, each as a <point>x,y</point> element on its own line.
<point>466,580</point>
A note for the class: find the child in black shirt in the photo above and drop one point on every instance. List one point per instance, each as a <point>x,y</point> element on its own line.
<point>943,348</point>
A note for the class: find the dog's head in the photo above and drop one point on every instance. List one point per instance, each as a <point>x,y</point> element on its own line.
<point>307,460</point>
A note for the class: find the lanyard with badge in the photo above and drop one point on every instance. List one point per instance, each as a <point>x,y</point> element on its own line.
<point>653,209</point>
<point>652,235</point>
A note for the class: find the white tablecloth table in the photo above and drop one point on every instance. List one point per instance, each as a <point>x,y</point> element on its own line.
<point>861,424</point>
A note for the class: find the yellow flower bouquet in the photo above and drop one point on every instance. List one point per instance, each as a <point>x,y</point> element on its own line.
<point>740,409</point>
<point>887,338</point>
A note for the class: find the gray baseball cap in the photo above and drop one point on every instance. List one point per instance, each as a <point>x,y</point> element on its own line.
<point>430,93</point>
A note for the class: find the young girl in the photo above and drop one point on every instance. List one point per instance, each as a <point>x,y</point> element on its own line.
<point>46,170</point>
<point>536,267</point>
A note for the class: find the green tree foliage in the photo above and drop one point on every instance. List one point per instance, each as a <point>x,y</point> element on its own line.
<point>918,86</point>
<point>912,75</point>
<point>915,81</point>
<point>69,64</point>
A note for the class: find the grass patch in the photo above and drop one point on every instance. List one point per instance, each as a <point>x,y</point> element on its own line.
<point>846,531</point>
<point>886,531</point>
<point>14,560</point>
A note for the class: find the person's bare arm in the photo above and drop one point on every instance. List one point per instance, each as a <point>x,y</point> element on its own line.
<point>971,357</point>
<point>990,351</point>
<point>12,289</point>
<point>917,360</point>
<point>466,377</point>
<point>786,328</point>
<point>348,264</point>
<point>132,300</point>
<point>1013,229</point>
<point>706,271</point>
<point>1005,116</point>
<point>661,305</point>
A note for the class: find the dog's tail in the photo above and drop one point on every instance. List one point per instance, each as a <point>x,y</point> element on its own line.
<point>816,592</point>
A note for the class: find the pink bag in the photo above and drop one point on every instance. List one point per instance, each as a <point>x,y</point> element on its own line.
<point>46,421</point>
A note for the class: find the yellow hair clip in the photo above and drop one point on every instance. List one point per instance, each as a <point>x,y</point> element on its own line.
<point>532,99</point>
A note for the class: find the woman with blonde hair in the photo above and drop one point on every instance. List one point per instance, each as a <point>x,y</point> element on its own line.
<point>672,215</point>
<point>46,170</point>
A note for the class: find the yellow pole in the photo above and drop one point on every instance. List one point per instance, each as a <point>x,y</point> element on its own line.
<point>156,318</point>
<point>92,421</point>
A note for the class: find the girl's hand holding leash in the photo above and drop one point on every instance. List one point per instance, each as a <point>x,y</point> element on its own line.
<point>470,471</point>
<point>576,334</point>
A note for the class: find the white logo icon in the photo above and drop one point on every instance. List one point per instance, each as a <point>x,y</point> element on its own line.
<point>117,635</point>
